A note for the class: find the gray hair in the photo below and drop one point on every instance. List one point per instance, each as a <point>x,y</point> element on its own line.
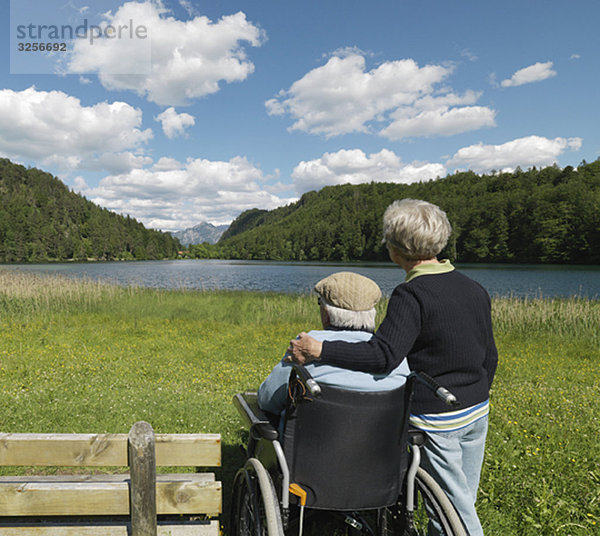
<point>416,229</point>
<point>355,320</point>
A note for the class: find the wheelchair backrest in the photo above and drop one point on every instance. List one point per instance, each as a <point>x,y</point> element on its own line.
<point>348,449</point>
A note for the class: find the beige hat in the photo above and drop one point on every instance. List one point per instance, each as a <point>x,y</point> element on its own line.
<point>350,291</point>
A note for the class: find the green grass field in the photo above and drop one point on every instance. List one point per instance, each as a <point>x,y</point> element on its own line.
<point>89,357</point>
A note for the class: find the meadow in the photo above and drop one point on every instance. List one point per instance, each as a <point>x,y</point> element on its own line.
<point>83,356</point>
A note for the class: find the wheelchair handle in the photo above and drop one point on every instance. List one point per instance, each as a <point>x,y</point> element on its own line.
<point>311,384</point>
<point>441,392</point>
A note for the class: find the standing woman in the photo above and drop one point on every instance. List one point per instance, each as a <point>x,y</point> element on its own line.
<point>441,320</point>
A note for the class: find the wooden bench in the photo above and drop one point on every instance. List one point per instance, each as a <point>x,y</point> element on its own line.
<point>111,504</point>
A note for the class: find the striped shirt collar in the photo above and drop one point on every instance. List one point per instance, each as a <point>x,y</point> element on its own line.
<point>430,268</point>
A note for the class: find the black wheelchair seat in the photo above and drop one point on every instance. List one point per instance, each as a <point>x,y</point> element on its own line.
<point>347,449</point>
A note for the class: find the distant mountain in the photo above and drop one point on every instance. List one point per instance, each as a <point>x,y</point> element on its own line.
<point>42,220</point>
<point>203,232</point>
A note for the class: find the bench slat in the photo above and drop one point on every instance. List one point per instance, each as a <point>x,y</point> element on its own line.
<point>200,477</point>
<point>211,529</point>
<point>198,450</point>
<point>98,450</point>
<point>81,495</point>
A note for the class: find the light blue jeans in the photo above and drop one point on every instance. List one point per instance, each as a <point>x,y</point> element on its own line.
<point>454,460</point>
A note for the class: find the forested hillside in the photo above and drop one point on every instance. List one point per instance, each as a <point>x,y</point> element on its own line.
<point>548,215</point>
<point>41,219</point>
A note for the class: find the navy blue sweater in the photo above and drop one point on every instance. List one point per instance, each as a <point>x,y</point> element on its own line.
<point>442,323</point>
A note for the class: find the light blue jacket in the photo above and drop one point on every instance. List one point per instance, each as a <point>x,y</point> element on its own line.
<point>273,391</point>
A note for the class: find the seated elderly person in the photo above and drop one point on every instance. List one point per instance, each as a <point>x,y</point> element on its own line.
<point>347,303</point>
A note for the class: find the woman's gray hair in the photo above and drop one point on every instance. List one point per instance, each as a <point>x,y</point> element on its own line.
<point>355,320</point>
<point>416,229</point>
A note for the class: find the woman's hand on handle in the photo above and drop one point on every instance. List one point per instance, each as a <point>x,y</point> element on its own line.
<point>304,349</point>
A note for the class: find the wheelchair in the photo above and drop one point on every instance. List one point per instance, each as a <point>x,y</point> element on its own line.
<point>343,463</point>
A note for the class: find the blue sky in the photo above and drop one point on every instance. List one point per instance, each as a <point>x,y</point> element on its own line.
<point>229,105</point>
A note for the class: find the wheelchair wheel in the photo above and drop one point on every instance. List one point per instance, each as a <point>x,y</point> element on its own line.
<point>255,507</point>
<point>432,507</point>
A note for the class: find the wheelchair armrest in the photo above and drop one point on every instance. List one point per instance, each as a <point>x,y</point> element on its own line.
<point>306,378</point>
<point>254,417</point>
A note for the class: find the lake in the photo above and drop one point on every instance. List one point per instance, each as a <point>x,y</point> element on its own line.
<point>299,277</point>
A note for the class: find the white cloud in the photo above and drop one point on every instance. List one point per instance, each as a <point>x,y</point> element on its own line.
<point>466,53</point>
<point>120,162</point>
<point>167,164</point>
<point>188,58</point>
<point>440,121</point>
<point>189,7</point>
<point>534,73</point>
<point>575,56</point>
<point>174,124</point>
<point>524,152</point>
<point>355,167</point>
<point>80,184</point>
<point>80,10</point>
<point>173,195</point>
<point>53,128</point>
<point>343,52</point>
<point>341,97</point>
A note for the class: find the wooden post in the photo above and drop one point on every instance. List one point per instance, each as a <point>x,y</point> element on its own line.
<point>142,493</point>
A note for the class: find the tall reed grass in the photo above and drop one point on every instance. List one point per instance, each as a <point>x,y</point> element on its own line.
<point>577,317</point>
<point>22,292</point>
